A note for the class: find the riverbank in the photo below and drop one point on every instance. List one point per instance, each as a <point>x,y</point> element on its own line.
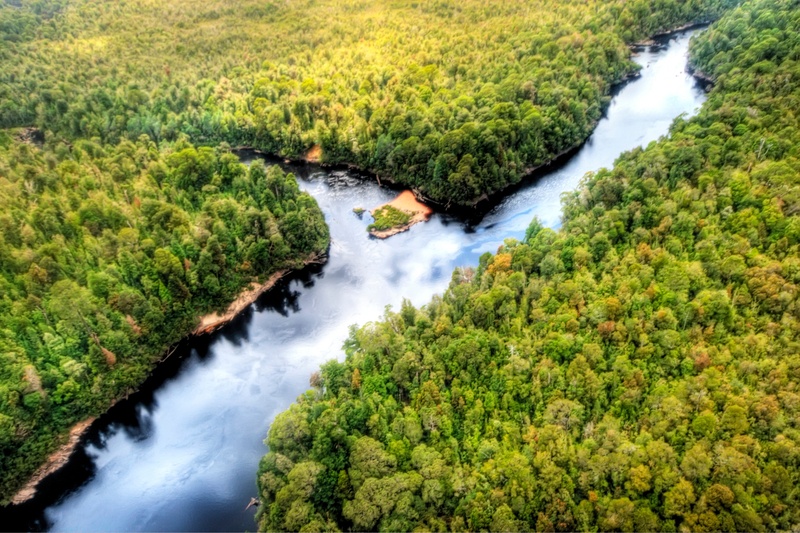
<point>207,324</point>
<point>55,462</point>
<point>213,321</point>
<point>408,203</point>
<point>474,209</point>
<point>654,39</point>
<point>707,80</point>
<point>314,155</point>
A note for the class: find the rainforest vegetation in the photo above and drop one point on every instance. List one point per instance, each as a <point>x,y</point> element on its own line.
<point>125,215</point>
<point>457,99</point>
<point>108,254</point>
<point>636,370</point>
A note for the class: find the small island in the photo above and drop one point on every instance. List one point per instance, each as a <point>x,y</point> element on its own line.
<point>398,215</point>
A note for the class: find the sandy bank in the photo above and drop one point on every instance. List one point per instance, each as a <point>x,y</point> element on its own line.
<point>56,460</point>
<point>407,202</point>
<point>314,155</point>
<point>213,321</point>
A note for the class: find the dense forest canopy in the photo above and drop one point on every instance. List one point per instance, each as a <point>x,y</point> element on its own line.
<point>636,370</point>
<point>457,99</point>
<point>108,254</point>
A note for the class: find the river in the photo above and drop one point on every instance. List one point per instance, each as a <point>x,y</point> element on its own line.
<point>182,453</point>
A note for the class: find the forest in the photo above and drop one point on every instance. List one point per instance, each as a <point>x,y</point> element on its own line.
<point>125,213</point>
<point>455,99</point>
<point>636,369</point>
<point>108,255</point>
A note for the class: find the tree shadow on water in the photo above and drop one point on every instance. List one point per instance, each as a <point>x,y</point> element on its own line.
<point>237,331</point>
<point>133,415</point>
<point>31,516</point>
<point>284,297</point>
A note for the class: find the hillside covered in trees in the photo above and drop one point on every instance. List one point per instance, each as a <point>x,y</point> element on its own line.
<point>108,255</point>
<point>636,370</point>
<point>455,99</point>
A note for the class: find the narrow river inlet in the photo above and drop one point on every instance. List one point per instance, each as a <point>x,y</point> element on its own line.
<point>182,454</point>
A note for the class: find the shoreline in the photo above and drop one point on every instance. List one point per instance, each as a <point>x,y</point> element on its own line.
<point>213,321</point>
<point>385,234</point>
<point>476,208</point>
<point>208,324</point>
<point>653,39</point>
<point>55,461</point>
<point>707,80</point>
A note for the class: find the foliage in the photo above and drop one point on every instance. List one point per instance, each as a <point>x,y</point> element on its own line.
<point>123,227</point>
<point>455,98</point>
<point>108,254</point>
<point>636,370</point>
<point>388,216</point>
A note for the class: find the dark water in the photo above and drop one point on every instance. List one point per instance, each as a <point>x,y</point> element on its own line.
<point>182,454</point>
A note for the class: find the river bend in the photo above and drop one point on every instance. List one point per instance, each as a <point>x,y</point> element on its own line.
<point>182,454</point>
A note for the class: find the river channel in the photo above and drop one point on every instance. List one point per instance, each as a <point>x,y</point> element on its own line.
<point>182,454</point>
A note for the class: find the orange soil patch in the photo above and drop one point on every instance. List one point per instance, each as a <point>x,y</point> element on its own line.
<point>314,155</point>
<point>407,202</point>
